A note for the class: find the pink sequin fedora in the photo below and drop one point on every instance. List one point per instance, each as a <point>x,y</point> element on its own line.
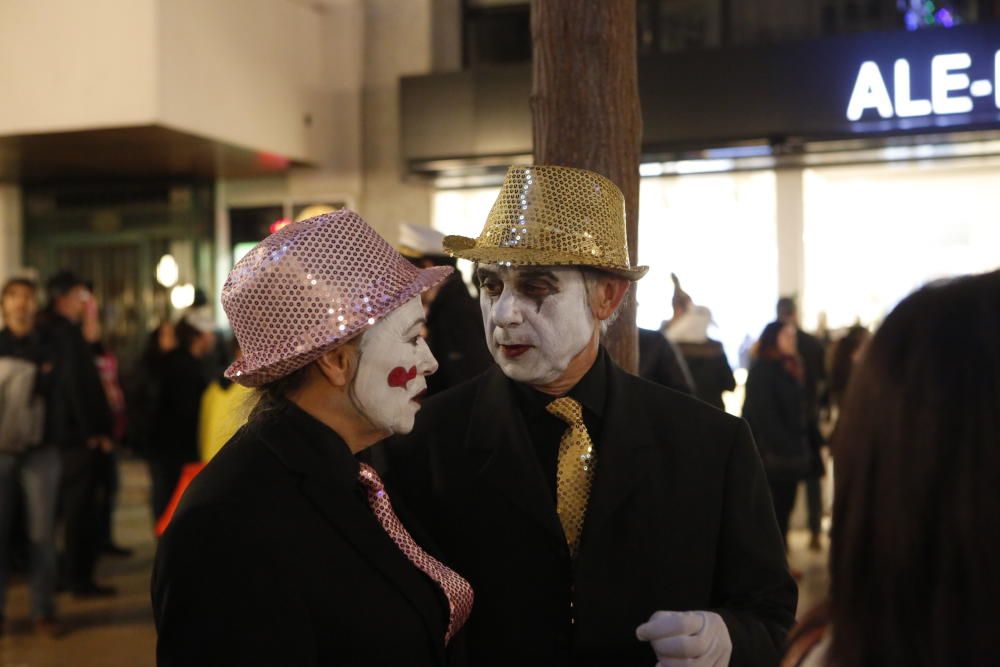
<point>312,286</point>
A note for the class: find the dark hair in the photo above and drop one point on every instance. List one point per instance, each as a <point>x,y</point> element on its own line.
<point>843,360</point>
<point>270,394</point>
<point>915,542</point>
<point>767,344</point>
<point>17,282</point>
<point>786,307</point>
<point>186,334</point>
<point>63,282</point>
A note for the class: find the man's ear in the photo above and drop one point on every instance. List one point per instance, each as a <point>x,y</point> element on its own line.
<point>607,295</point>
<point>339,365</point>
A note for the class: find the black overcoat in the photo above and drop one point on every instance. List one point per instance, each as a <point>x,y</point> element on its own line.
<point>274,558</point>
<point>679,518</point>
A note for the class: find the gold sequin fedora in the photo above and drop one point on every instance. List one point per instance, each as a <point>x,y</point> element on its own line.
<point>553,216</point>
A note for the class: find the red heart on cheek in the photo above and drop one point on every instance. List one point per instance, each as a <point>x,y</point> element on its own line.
<point>400,377</point>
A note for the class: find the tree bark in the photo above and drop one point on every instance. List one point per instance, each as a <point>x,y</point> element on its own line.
<point>585,111</point>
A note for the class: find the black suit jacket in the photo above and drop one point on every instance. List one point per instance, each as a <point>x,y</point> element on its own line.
<point>679,518</point>
<point>75,405</point>
<point>274,558</point>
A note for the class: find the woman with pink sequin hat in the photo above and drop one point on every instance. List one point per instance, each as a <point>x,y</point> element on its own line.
<point>286,549</point>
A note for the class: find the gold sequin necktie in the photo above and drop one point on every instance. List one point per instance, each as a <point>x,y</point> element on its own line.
<point>575,469</point>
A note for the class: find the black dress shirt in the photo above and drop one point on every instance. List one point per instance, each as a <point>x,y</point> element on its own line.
<point>546,430</point>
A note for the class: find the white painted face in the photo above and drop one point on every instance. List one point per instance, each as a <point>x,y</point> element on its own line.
<point>395,362</point>
<point>536,319</point>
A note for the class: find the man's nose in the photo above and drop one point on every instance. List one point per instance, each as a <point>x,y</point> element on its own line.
<point>506,310</point>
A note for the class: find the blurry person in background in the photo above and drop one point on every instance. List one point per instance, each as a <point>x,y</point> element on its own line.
<point>680,303</point>
<point>914,548</point>
<point>846,354</point>
<point>174,435</point>
<point>107,474</point>
<point>660,361</point>
<point>812,352</point>
<point>705,358</point>
<point>454,325</point>
<point>78,420</point>
<point>27,461</point>
<point>214,361</point>
<point>225,406</point>
<point>144,389</point>
<point>775,407</point>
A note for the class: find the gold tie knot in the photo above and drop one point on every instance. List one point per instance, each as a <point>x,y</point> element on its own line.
<point>567,409</point>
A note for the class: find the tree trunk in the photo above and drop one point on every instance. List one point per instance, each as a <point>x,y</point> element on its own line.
<point>585,109</point>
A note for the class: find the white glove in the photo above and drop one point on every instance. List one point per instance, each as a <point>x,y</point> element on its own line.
<point>688,639</point>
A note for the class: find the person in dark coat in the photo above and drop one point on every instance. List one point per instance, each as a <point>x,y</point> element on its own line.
<point>776,409</point>
<point>662,363</point>
<point>601,518</point>
<point>454,323</point>
<point>78,420</point>
<point>286,549</point>
<point>33,467</point>
<point>812,353</point>
<point>705,358</point>
<point>174,436</point>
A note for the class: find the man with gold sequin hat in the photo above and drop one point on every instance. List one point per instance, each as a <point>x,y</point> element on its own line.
<point>602,519</point>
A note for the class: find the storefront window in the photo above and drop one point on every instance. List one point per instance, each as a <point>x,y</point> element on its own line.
<point>717,233</point>
<point>875,233</point>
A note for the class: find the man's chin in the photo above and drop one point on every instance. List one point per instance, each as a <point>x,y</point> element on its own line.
<point>521,370</point>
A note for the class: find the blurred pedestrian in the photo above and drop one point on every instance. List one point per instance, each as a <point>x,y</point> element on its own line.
<point>108,478</point>
<point>915,540</point>
<point>174,437</point>
<point>705,358</point>
<point>775,407</point>
<point>846,354</point>
<point>27,461</point>
<point>144,388</point>
<point>660,361</point>
<point>812,352</point>
<point>454,320</point>
<point>78,419</point>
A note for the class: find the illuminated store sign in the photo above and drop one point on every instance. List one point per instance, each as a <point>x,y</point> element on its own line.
<point>948,83</point>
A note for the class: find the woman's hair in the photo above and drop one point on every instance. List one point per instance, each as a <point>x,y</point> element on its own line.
<point>843,360</point>
<point>915,557</point>
<point>767,344</point>
<point>270,395</point>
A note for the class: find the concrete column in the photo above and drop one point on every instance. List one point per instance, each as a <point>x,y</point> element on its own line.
<point>790,212</point>
<point>397,42</point>
<point>223,251</point>
<point>11,231</point>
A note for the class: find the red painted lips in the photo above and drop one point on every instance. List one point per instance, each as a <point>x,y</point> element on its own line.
<point>400,377</point>
<point>514,351</point>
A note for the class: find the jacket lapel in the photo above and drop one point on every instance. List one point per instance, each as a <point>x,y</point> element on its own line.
<point>356,525</point>
<point>626,442</point>
<point>499,438</point>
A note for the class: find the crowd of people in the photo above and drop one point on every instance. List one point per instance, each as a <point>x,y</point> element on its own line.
<point>62,411</point>
<point>541,492</point>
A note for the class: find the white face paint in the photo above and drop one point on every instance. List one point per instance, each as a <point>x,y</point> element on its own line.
<point>536,319</point>
<point>395,361</point>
